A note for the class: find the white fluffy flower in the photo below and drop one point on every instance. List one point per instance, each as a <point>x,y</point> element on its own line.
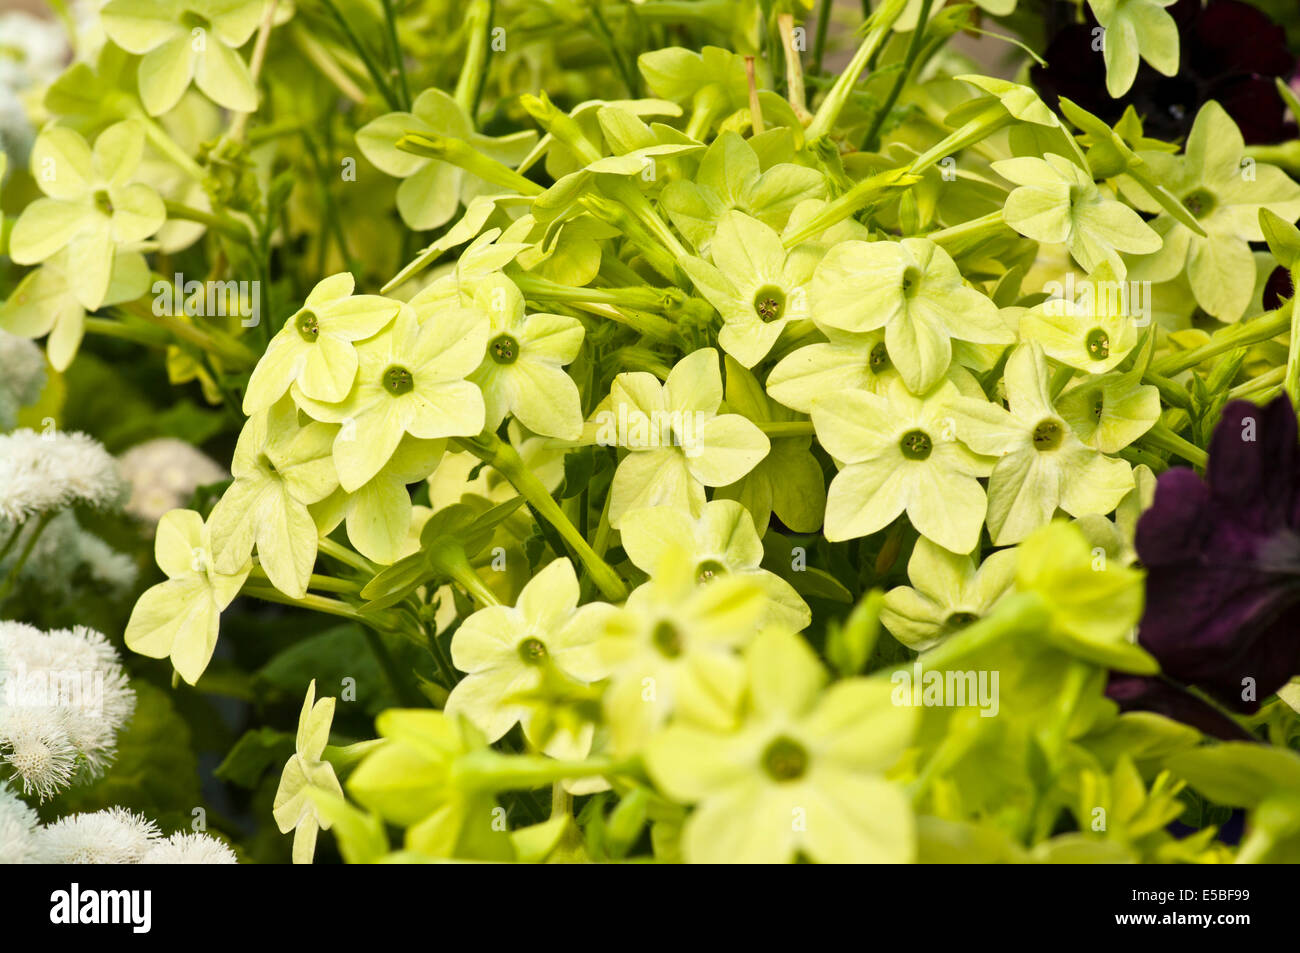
<point>18,824</point>
<point>163,474</point>
<point>114,836</point>
<point>22,375</point>
<point>183,848</point>
<point>44,472</point>
<point>64,699</point>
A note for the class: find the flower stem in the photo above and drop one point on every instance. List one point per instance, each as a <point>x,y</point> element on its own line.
<point>828,113</point>
<point>11,578</point>
<point>1262,328</point>
<point>909,63</point>
<point>506,460</point>
<point>1162,438</point>
<point>473,71</point>
<point>465,156</point>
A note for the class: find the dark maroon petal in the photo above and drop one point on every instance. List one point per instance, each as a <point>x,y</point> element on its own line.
<point>1253,459</point>
<point>1277,288</point>
<point>1140,693</point>
<point>1230,37</point>
<point>1255,105</point>
<point>1174,524</point>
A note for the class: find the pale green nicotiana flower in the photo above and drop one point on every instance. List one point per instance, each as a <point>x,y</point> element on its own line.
<point>315,348</point>
<point>678,442</point>
<point>523,373</point>
<point>1093,331</point>
<point>48,301</point>
<point>904,453</point>
<point>91,206</point>
<point>720,541</point>
<point>294,810</point>
<point>756,285</point>
<point>1058,202</point>
<point>1043,464</point>
<point>948,592</point>
<point>431,189</point>
<point>1224,189</point>
<point>279,468</point>
<point>411,380</point>
<point>803,775</point>
<point>508,654</point>
<point>180,618</point>
<point>673,651</point>
<point>913,289</point>
<point>184,41</point>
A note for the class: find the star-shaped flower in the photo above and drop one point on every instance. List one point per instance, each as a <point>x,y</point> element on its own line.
<point>180,617</point>
<point>90,207</point>
<point>756,285</point>
<point>803,774</point>
<point>1224,189</point>
<point>411,380</point>
<point>721,541</point>
<point>508,653</point>
<point>431,189</point>
<point>948,593</point>
<point>1043,464</point>
<point>294,810</point>
<point>904,453</point>
<point>1057,201</point>
<point>315,348</point>
<point>912,289</point>
<point>184,41</point>
<point>280,468</point>
<point>678,442</point>
<point>523,372</point>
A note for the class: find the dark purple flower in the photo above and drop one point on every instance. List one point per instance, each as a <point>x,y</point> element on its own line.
<point>1228,51</point>
<point>1223,560</point>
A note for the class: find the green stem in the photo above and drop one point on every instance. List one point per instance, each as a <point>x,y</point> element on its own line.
<point>11,578</point>
<point>224,224</point>
<point>395,54</point>
<point>971,132</point>
<point>1262,328</point>
<point>465,156</point>
<point>1269,379</point>
<point>862,195</point>
<point>469,82</point>
<point>506,460</point>
<point>909,63</point>
<point>819,39</point>
<point>828,113</point>
<point>1162,438</point>
<point>148,336</point>
<point>323,60</point>
<point>354,40</point>
<point>346,556</point>
<point>212,341</point>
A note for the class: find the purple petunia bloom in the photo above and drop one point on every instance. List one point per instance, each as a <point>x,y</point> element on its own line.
<point>1223,560</point>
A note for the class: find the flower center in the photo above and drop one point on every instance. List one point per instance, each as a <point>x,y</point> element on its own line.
<point>504,349</point>
<point>1047,435</point>
<point>958,620</point>
<point>1199,202</point>
<point>769,302</point>
<point>532,651</point>
<point>193,21</point>
<point>785,760</point>
<point>878,359</point>
<point>265,463</point>
<point>911,281</point>
<point>103,202</point>
<point>708,569</point>
<point>1097,406</point>
<point>916,445</point>
<point>308,326</point>
<point>667,639</point>
<point>398,380</point>
<point>1098,344</point>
